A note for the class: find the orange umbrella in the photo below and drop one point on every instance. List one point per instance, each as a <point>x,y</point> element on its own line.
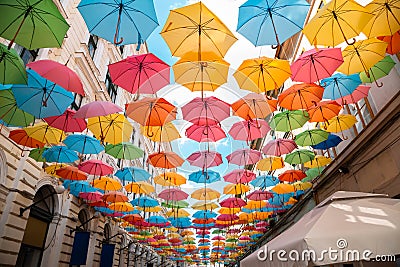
<point>251,106</point>
<point>71,173</point>
<point>300,96</point>
<point>22,138</point>
<point>167,160</point>
<point>115,196</point>
<point>283,188</point>
<point>170,179</point>
<point>139,188</point>
<point>106,183</point>
<point>121,206</point>
<point>292,176</point>
<point>393,43</point>
<point>324,111</point>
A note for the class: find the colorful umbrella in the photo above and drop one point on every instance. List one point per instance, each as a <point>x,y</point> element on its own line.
<point>359,93</point>
<point>163,133</point>
<point>83,144</point>
<point>206,111</point>
<point>244,157</point>
<point>10,113</point>
<point>124,150</point>
<point>167,160</point>
<point>270,164</point>
<point>21,137</point>
<point>66,122</point>
<point>12,69</point>
<point>283,188</point>
<point>386,18</point>
<point>72,173</point>
<point>144,201</point>
<point>113,128</point>
<point>139,188</point>
<point>37,153</point>
<point>96,167</point>
<point>233,202</point>
<point>332,141</point>
<point>175,204</point>
<point>60,154</point>
<point>299,156</point>
<point>291,176</point>
<point>377,71</point>
<point>340,123</point>
<point>249,130</point>
<point>170,179</point>
<point>289,120</point>
<point>205,194</point>
<point>132,174</point>
<point>279,147</point>
<point>97,108</point>
<point>91,196</point>
<point>324,111</point>
<point>204,176</point>
<point>236,189</point>
<point>173,194</point>
<point>311,137</point>
<point>259,195</point>
<point>393,42</point>
<point>205,159</point>
<point>205,133</point>
<point>45,133</point>
<point>252,106</point>
<point>300,96</point>
<point>106,183</point>
<point>317,162</point>
<point>239,176</point>
<point>53,168</point>
<point>121,206</point>
<point>340,85</point>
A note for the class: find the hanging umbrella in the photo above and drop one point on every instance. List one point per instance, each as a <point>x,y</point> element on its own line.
<point>316,64</point>
<point>10,113</point>
<point>51,169</point>
<point>139,188</point>
<point>264,181</point>
<point>195,28</point>
<point>233,202</point>
<point>83,144</point>
<point>324,111</point>
<point>144,73</point>
<point>206,111</point>
<point>262,74</point>
<point>132,174</point>
<point>205,133</point>
<point>336,22</point>
<point>236,189</point>
<point>244,157</point>
<point>77,187</point>
<point>170,179</point>
<point>59,74</point>
<point>300,96</point>
<point>178,213</point>
<point>252,106</point>
<point>249,130</point>
<point>12,69</point>
<point>96,167</point>
<point>359,93</point>
<point>204,176</point>
<point>279,147</point>
<point>45,133</point>
<point>270,164</point>
<point>311,137</point>
<point>386,20</point>
<point>224,210</point>
<point>340,85</point>
<point>393,42</point>
<point>32,24</point>
<point>239,176</point>
<point>97,108</point>
<point>332,141</point>
<point>71,173</point>
<point>60,154</point>
<point>318,161</point>
<point>144,201</point>
<point>121,207</point>
<point>271,22</point>
<point>289,120</point>
<point>340,123</point>
<point>205,194</point>
<point>163,133</point>
<point>299,156</point>
<point>259,195</point>
<point>37,154</point>
<point>41,97</point>
<point>106,183</point>
<point>173,194</point>
<point>124,150</point>
<point>66,122</point>
<point>167,160</point>
<point>377,71</point>
<point>175,204</point>
<point>291,176</point>
<point>91,197</point>
<point>283,189</point>
<point>113,128</point>
<point>150,209</point>
<point>205,159</point>
<point>20,137</point>
<point>120,22</point>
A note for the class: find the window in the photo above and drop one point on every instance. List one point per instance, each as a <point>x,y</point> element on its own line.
<point>111,88</point>
<point>26,55</point>
<point>107,232</point>
<point>77,103</point>
<point>83,220</point>
<point>92,45</point>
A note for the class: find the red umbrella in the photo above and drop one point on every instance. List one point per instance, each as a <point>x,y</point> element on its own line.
<point>133,218</point>
<point>173,194</point>
<point>249,130</point>
<point>97,108</point>
<point>92,197</point>
<point>316,64</point>
<point>260,195</point>
<point>359,93</point>
<point>96,167</point>
<point>279,147</point>
<point>292,176</point>
<point>144,73</point>
<point>20,137</point>
<point>71,173</point>
<point>205,133</point>
<point>218,238</point>
<point>67,122</point>
<point>300,96</point>
<point>59,74</point>
<point>167,160</point>
<point>98,204</point>
<point>252,106</point>
<point>244,157</point>
<point>206,111</point>
<point>203,221</point>
<point>205,159</point>
<point>239,176</point>
<point>233,202</point>
<point>227,217</point>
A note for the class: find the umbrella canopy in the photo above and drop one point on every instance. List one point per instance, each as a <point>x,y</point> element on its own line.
<point>289,120</point>
<point>170,179</point>
<point>144,201</point>
<point>244,157</point>
<point>205,194</point>
<point>167,160</point>
<point>120,22</point>
<point>204,176</point>
<point>340,123</point>
<point>113,128</point>
<point>124,150</point>
<point>291,176</point>
<point>92,197</point>
<point>359,93</point>
<point>106,183</point>
<point>249,130</point>
<point>332,141</point>
<point>299,156</point>
<point>239,176</point>
<point>393,42</point>
<point>66,122</point>
<point>96,167</point>
<point>132,174</point>
<point>37,153</point>
<point>259,195</point>
<point>377,71</point>
<point>271,22</point>
<point>317,162</point>
<point>115,197</point>
<point>173,194</point>
<point>236,189</point>
<point>140,73</point>
<point>206,111</point>
<point>205,133</point>
<point>340,85</point>
<point>12,69</point>
<point>252,106</point>
<point>264,181</point>
<point>32,24</point>
<point>262,74</point>
<point>59,74</point>
<point>10,113</point>
<point>233,202</point>
<point>311,137</point>
<point>21,137</point>
<point>324,111</point>
<point>195,28</point>
<point>97,108</point>
<point>279,147</point>
<point>139,188</point>
<point>45,133</point>
<point>205,159</point>
<point>316,64</point>
<point>385,20</point>
<point>121,206</point>
<point>83,144</point>
<point>60,154</point>
<point>336,22</point>
<point>163,133</point>
<point>270,164</point>
<point>41,97</point>
<point>300,96</point>
<point>72,173</point>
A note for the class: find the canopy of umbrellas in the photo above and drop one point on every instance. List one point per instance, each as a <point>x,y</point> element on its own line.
<point>325,80</point>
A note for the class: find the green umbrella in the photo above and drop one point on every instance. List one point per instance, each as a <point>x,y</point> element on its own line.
<point>188,242</point>
<point>289,120</point>
<point>36,154</point>
<point>218,231</point>
<point>311,137</point>
<point>12,68</point>
<point>124,150</point>
<point>231,240</point>
<point>175,204</point>
<point>379,70</point>
<point>10,113</point>
<point>32,23</point>
<point>312,173</point>
<point>299,156</point>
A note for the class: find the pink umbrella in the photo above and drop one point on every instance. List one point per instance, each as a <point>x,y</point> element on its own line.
<point>262,224</point>
<point>96,167</point>
<point>218,237</point>
<point>59,74</point>
<point>206,111</point>
<point>227,217</point>
<point>173,194</point>
<point>205,133</point>
<point>244,156</point>
<point>97,108</point>
<point>249,130</point>
<point>233,231</point>
<point>260,195</point>
<point>359,93</point>
<point>245,238</point>
<point>316,64</point>
<point>239,176</point>
<point>233,202</point>
<point>66,122</point>
<point>205,159</point>
<point>279,147</point>
<point>91,196</point>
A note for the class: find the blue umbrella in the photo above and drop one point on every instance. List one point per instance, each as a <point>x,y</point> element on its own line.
<point>280,199</point>
<point>203,236</point>
<point>60,154</point>
<point>144,201</point>
<point>76,187</point>
<point>340,85</point>
<point>83,144</point>
<point>332,141</point>
<point>181,222</point>
<point>41,97</point>
<point>157,219</point>
<point>131,21</point>
<point>208,214</point>
<point>132,174</point>
<point>204,176</point>
<point>264,181</point>
<point>271,22</point>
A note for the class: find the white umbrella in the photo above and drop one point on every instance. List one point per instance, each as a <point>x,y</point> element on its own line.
<point>348,226</point>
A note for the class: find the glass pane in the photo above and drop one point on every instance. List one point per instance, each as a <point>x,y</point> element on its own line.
<point>29,256</point>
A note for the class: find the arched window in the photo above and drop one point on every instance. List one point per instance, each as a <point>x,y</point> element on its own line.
<point>83,218</point>
<point>107,232</point>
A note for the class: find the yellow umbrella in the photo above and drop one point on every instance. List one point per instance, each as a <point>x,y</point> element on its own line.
<point>340,123</point>
<point>178,213</point>
<point>218,243</point>
<point>270,164</point>
<point>53,168</point>
<point>139,188</point>
<point>187,232</point>
<point>205,75</point>
<point>386,18</point>
<point>121,206</point>
<point>283,188</point>
<point>336,22</point>
<point>247,217</point>
<point>302,185</point>
<point>106,183</point>
<point>173,229</point>
<point>44,133</point>
<point>195,28</point>
<point>188,238</point>
<point>113,128</point>
<point>262,74</point>
<point>225,210</point>
<point>201,205</point>
<point>253,204</point>
<point>317,162</point>
<point>362,56</point>
<point>150,209</point>
<point>164,133</point>
<point>234,189</point>
<point>170,179</point>
<point>205,194</point>
<point>173,235</point>
<point>291,201</point>
<point>261,215</point>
